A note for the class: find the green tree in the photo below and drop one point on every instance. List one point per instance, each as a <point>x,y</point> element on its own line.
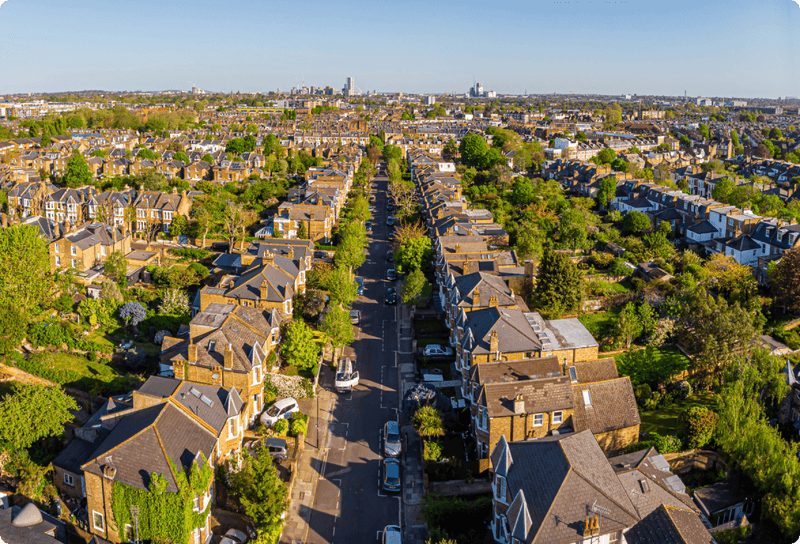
<point>302,231</point>
<point>271,144</point>
<point>209,159</point>
<point>146,153</point>
<point>472,149</point>
<point>298,347</point>
<point>352,241</point>
<point>607,191</point>
<point>522,192</point>
<point>628,326</point>
<point>573,228</point>
<point>26,282</point>
<point>77,173</point>
<point>635,222</point>
<point>559,284</point>
<point>606,156</point>
<point>341,286</point>
<point>416,288</point>
<point>153,181</point>
<point>116,266</point>
<point>784,281</point>
<point>428,422</point>
<point>235,146</point>
<point>337,325</point>
<point>260,490</point>
<point>413,253</point>
<point>392,152</point>
<point>697,425</point>
<point>179,225</point>
<point>13,327</point>
<point>181,156</point>
<point>32,412</point>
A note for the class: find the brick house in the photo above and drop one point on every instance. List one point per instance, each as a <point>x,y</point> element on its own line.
<point>156,210</point>
<point>83,247</point>
<point>68,204</point>
<point>25,199</point>
<point>110,207</point>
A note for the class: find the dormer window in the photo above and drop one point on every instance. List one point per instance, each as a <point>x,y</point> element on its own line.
<point>500,488</point>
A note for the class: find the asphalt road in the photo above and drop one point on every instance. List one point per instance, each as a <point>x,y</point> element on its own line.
<point>348,506</point>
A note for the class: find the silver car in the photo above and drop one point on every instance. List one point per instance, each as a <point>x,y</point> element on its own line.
<point>392,443</point>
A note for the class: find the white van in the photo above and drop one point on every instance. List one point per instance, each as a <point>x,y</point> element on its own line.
<point>346,375</point>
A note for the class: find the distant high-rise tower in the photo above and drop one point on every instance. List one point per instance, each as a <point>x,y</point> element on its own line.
<point>349,86</point>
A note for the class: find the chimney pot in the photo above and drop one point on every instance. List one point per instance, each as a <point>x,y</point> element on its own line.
<point>519,405</point>
<point>228,357</point>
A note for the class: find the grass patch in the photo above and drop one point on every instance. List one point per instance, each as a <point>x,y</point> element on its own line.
<point>72,370</point>
<point>661,363</point>
<point>292,370</point>
<point>600,325</point>
<point>664,420</point>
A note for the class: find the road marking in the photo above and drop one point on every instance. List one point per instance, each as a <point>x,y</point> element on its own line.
<point>324,462</point>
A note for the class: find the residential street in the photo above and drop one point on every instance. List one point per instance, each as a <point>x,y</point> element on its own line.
<point>348,506</point>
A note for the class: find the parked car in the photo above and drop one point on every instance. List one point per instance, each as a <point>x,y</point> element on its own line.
<point>389,206</point>
<point>392,444</point>
<point>346,375</point>
<point>320,254</point>
<point>390,256</point>
<point>389,220</point>
<point>392,534</point>
<point>283,409</point>
<point>355,317</point>
<point>360,282</point>
<point>437,350</point>
<point>390,475</point>
<point>277,447</point>
<point>368,225</point>
<point>390,299</point>
<point>374,185</point>
<point>391,274</point>
<point>234,536</point>
<point>373,209</point>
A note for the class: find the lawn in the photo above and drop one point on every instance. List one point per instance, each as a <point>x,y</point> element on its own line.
<point>600,324</point>
<point>76,371</point>
<point>664,420</point>
<point>668,360</point>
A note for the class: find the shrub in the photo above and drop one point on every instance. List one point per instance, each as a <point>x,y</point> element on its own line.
<point>200,270</point>
<point>133,312</point>
<point>174,302</point>
<point>732,536</point>
<point>681,389</point>
<point>667,444</point>
<point>299,424</point>
<point>639,446</point>
<point>191,253</point>
<point>601,260</point>
<point>92,356</point>
<point>643,393</point>
<point>697,425</point>
<point>281,427</point>
<point>432,451</point>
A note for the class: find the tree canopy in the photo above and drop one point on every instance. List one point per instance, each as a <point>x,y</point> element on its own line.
<point>559,284</point>
<point>298,347</point>
<point>32,412</point>
<point>77,173</point>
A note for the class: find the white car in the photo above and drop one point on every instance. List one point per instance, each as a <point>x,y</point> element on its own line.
<point>392,534</point>
<point>436,350</point>
<point>234,536</point>
<point>283,409</point>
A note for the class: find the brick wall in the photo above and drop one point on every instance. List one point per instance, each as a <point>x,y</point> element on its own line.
<point>614,441</point>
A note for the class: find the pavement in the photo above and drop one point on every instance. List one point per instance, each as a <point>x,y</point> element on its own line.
<point>337,496</point>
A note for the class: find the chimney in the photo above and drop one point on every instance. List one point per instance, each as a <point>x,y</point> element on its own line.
<point>591,526</point>
<point>493,301</point>
<point>109,472</point>
<point>476,296</point>
<point>494,344</point>
<point>227,360</point>
<point>458,248</point>
<point>264,290</point>
<point>268,258</point>
<point>465,268</point>
<point>519,405</point>
<point>114,234</point>
<point>192,353</point>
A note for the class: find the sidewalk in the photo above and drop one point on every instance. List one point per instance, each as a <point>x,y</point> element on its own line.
<point>298,516</point>
<point>414,528</point>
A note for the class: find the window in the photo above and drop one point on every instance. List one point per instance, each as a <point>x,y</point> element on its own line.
<point>98,521</point>
<point>72,251</point>
<point>74,263</point>
<point>57,248</point>
<point>538,420</point>
<point>558,417</point>
<point>573,374</point>
<point>615,538</point>
<point>500,488</point>
<point>232,428</point>
<point>68,480</point>
<point>484,417</point>
<point>58,261</point>
<point>587,399</point>
<point>103,251</point>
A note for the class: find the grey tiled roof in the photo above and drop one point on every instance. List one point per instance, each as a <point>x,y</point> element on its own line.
<point>541,395</point>
<point>77,452</point>
<point>507,371</point>
<point>596,371</point>
<point>669,525</point>
<point>613,406</point>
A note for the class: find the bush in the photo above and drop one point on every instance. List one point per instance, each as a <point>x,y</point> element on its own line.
<point>639,446</point>
<point>92,356</point>
<point>281,427</point>
<point>681,389</point>
<point>200,270</point>
<point>462,521</point>
<point>732,536</point>
<point>133,312</point>
<point>697,425</point>
<point>601,260</point>
<point>191,253</point>
<point>667,444</point>
<point>299,424</point>
<point>433,450</point>
<point>643,394</point>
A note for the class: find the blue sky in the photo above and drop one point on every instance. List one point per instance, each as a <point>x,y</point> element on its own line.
<point>716,48</point>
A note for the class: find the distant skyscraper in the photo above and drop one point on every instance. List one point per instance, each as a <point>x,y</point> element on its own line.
<point>349,86</point>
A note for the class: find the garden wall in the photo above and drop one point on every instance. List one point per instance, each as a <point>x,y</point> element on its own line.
<point>695,459</point>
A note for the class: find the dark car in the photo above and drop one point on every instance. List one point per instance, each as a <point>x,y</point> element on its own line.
<point>389,206</point>
<point>219,246</point>
<point>391,297</point>
<point>360,282</point>
<point>320,254</point>
<point>390,256</point>
<point>368,225</point>
<point>391,274</point>
<point>390,475</point>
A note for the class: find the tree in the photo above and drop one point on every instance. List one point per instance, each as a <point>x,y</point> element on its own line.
<point>302,231</point>
<point>341,286</point>
<point>573,228</point>
<point>606,156</point>
<point>236,147</point>
<point>298,347</point>
<point>472,149</point>
<point>77,173</point>
<point>559,284</point>
<point>522,191</point>
<point>174,302</point>
<point>233,221</point>
<point>260,490</point>
<point>392,152</point>
<point>209,159</point>
<point>146,153</point>
<point>635,222</point>
<point>133,313</point>
<point>723,190</point>
<point>763,151</point>
<point>413,253</point>
<point>373,154</point>
<point>26,282</point>
<point>607,191</point>
<point>428,422</point>
<point>352,241</point>
<point>179,225</point>
<point>153,181</point>
<point>697,425</point>
<point>110,291</point>
<point>13,328</point>
<point>416,289</point>
<point>33,412</point>
<point>116,267</point>
<point>337,325</point>
<point>181,156</point>
<point>628,326</point>
<point>784,281</point>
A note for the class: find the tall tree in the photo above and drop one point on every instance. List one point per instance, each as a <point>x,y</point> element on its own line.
<point>233,220</point>
<point>32,412</point>
<point>559,284</point>
<point>260,490</point>
<point>607,191</point>
<point>77,173</point>
<point>298,347</point>
<point>784,280</point>
<point>116,266</point>
<point>472,149</point>
<point>413,253</point>
<point>337,325</point>
<point>341,286</point>
<point>25,278</point>
<point>416,288</point>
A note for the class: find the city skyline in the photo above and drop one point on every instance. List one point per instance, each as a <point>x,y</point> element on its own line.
<point>540,47</point>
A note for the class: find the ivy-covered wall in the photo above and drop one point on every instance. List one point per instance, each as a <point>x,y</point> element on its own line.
<point>164,517</point>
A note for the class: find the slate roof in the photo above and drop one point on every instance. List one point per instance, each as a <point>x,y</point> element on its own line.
<point>488,286</point>
<point>716,497</point>
<point>650,482</point>
<point>507,371</point>
<point>540,395</point>
<point>159,387</point>
<point>77,452</point>
<point>561,478</point>
<point>670,525</point>
<point>43,532</point>
<point>143,442</point>
<point>703,227</point>
<point>596,371</point>
<point>613,406</point>
<point>744,242</point>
